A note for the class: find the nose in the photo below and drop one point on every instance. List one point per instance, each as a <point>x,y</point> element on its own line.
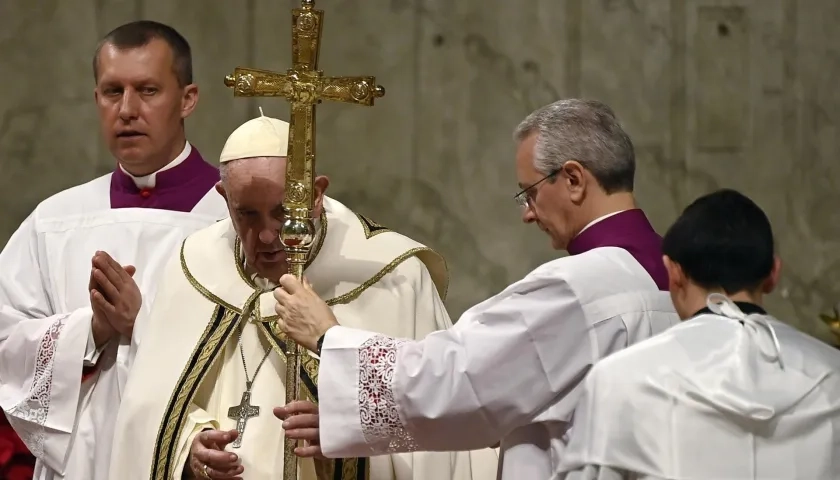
<point>129,105</point>
<point>269,235</point>
<point>528,215</point>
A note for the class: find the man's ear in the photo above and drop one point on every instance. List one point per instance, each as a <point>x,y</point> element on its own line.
<point>189,100</point>
<point>676,276</point>
<point>320,185</point>
<point>773,279</point>
<point>573,176</point>
<point>221,190</point>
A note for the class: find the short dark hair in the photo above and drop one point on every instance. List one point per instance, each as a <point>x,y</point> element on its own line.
<point>723,240</point>
<point>139,34</point>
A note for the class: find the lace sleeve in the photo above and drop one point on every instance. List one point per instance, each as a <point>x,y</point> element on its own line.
<point>380,418</point>
<point>34,409</point>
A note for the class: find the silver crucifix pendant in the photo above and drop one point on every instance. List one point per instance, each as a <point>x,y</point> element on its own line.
<point>242,413</point>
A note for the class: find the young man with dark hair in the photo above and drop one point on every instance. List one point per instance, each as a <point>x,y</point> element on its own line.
<point>82,267</point>
<point>731,393</point>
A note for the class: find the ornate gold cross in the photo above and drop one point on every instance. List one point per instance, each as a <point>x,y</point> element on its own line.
<point>304,86</point>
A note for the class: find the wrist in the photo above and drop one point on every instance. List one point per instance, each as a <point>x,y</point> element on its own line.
<point>102,332</point>
<point>319,344</point>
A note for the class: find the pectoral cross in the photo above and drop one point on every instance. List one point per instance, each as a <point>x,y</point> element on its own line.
<point>242,413</point>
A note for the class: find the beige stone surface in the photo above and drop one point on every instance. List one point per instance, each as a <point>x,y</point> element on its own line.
<point>715,93</point>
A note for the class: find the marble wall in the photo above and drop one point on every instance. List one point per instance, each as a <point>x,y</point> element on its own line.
<point>735,93</point>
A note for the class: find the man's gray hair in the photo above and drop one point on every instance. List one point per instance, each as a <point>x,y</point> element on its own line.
<point>224,170</point>
<point>586,131</point>
<point>226,167</point>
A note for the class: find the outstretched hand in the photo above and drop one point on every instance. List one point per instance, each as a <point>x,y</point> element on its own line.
<point>303,315</point>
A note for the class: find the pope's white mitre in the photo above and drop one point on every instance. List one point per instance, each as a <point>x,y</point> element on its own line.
<point>260,137</point>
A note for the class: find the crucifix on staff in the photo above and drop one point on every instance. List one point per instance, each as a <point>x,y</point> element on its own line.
<point>303,86</point>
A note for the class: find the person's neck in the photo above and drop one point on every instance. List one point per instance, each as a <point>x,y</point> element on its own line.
<point>158,163</point>
<point>699,297</point>
<point>605,205</point>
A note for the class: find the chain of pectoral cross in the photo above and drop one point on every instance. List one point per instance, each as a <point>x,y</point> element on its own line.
<point>245,411</point>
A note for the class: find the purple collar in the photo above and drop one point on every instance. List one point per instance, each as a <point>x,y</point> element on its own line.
<point>631,231</point>
<point>178,189</point>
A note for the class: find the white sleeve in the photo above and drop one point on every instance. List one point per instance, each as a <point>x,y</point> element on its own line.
<point>91,352</point>
<point>41,351</point>
<point>581,460</point>
<point>597,472</point>
<point>504,361</point>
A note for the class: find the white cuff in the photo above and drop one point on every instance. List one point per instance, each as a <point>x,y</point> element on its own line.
<point>338,394</point>
<point>339,337</point>
<point>91,352</point>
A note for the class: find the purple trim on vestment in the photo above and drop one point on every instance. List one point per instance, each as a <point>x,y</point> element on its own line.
<point>178,189</point>
<point>631,231</point>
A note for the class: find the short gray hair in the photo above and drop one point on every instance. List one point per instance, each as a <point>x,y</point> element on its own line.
<point>226,167</point>
<point>586,131</point>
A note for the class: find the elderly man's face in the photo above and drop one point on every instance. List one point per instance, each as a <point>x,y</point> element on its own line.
<point>254,189</point>
<point>548,200</point>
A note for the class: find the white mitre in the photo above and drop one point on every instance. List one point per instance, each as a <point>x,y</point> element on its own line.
<point>260,137</point>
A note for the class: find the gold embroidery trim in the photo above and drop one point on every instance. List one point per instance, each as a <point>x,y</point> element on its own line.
<point>356,292</point>
<point>368,223</point>
<point>349,466</point>
<point>169,432</point>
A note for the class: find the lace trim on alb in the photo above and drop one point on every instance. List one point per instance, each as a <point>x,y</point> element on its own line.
<point>35,408</point>
<point>377,407</point>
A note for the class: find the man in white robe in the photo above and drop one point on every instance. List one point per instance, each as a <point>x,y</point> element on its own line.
<point>66,320</point>
<point>511,367</point>
<point>209,347</point>
<point>731,393</point>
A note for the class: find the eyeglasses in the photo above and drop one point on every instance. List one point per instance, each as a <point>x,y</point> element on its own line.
<point>522,198</point>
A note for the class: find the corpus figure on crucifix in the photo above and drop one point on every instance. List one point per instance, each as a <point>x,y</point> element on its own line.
<point>202,390</point>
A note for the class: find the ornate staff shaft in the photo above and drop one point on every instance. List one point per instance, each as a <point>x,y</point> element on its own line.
<point>304,86</point>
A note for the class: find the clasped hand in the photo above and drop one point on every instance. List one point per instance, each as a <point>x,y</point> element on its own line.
<point>114,298</point>
<point>302,314</point>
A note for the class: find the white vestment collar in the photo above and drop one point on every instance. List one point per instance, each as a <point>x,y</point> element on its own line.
<point>148,181</point>
<point>353,253</point>
<point>601,218</point>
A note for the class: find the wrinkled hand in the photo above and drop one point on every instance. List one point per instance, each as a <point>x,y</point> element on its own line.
<point>300,421</point>
<point>303,315</point>
<point>208,458</point>
<point>114,295</point>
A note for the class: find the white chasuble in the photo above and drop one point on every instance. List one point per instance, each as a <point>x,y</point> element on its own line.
<point>45,319</point>
<point>509,370</point>
<point>189,371</point>
<point>730,394</point>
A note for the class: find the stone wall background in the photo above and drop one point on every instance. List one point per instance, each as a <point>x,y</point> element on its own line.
<point>715,93</point>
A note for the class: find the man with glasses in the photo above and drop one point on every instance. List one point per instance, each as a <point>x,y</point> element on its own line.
<point>511,367</point>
